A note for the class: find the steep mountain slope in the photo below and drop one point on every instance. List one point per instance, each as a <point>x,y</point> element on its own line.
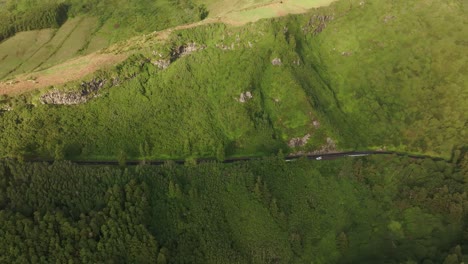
<point>348,76</point>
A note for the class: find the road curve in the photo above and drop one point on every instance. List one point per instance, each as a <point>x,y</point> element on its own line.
<point>318,157</point>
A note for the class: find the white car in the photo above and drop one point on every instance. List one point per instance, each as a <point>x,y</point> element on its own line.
<point>319,158</point>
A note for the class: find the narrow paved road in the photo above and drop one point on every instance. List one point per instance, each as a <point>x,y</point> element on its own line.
<point>318,157</point>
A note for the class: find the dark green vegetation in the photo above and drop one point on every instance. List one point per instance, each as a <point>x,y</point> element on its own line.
<point>38,17</point>
<point>381,74</point>
<point>366,210</point>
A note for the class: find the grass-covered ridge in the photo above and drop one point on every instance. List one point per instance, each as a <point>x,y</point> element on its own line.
<point>352,68</point>
<point>365,210</point>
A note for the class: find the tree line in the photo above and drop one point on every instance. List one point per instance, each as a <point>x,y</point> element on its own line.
<point>47,15</point>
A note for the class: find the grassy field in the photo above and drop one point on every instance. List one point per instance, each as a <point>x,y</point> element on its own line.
<point>47,47</point>
<point>16,51</point>
<point>74,43</point>
<point>255,11</point>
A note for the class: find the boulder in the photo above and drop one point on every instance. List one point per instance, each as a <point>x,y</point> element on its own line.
<point>276,62</point>
<point>244,97</point>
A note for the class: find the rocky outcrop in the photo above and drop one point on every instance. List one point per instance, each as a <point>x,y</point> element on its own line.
<point>316,24</point>
<point>88,90</point>
<point>184,50</point>
<point>162,64</point>
<point>92,86</point>
<point>298,142</point>
<point>276,62</point>
<point>244,97</point>
<point>63,98</point>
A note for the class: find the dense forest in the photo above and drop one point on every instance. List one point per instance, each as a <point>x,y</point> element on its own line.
<point>338,78</point>
<point>384,209</point>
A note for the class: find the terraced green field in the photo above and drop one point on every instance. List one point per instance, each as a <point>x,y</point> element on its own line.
<point>40,49</point>
<point>15,51</point>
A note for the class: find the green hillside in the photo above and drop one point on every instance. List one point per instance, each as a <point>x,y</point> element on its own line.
<point>348,76</point>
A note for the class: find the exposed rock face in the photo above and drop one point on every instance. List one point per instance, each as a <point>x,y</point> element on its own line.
<point>316,24</point>
<point>276,62</point>
<point>185,50</point>
<point>92,86</point>
<point>244,97</point>
<point>63,98</point>
<point>162,64</point>
<point>298,142</point>
<point>88,91</point>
